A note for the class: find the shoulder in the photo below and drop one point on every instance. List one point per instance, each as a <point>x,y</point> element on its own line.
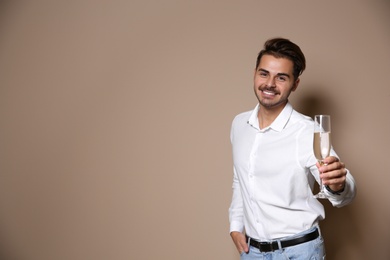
<point>297,117</point>
<point>242,117</point>
<point>301,121</point>
<point>240,122</point>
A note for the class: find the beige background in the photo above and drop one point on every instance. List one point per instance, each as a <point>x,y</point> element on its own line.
<point>115,120</point>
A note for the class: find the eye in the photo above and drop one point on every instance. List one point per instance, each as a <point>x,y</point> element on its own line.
<point>281,78</point>
<point>263,74</point>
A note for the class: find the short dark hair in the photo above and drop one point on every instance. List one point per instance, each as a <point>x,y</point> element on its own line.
<point>284,48</point>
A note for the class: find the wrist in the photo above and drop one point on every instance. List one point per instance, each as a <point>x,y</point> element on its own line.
<point>337,192</point>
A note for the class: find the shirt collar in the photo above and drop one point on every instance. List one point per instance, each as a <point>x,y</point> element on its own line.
<point>278,124</point>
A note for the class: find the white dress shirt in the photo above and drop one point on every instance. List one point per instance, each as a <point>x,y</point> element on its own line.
<point>274,174</point>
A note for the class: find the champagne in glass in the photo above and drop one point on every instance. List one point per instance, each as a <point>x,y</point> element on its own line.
<point>321,144</point>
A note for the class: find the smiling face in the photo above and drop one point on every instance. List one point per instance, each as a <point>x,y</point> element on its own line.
<point>274,81</point>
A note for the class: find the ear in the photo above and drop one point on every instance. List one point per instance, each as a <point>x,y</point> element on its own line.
<point>295,86</point>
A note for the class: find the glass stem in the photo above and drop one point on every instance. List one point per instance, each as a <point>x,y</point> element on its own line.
<point>321,185</point>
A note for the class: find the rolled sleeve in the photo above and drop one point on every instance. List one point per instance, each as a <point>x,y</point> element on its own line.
<point>346,196</point>
<point>236,207</point>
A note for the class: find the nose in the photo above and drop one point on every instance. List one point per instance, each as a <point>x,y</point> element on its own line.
<point>270,82</point>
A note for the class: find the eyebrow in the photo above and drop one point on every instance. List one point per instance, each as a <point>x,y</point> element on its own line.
<point>279,74</point>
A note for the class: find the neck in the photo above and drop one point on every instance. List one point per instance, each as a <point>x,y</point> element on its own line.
<point>267,115</point>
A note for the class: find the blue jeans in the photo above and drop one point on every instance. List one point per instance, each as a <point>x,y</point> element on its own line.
<point>312,250</point>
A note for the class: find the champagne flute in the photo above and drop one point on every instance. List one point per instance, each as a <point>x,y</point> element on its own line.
<point>321,144</point>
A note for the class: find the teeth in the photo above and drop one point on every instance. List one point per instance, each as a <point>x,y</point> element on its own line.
<point>268,92</point>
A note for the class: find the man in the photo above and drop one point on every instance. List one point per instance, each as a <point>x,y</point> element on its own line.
<point>273,211</point>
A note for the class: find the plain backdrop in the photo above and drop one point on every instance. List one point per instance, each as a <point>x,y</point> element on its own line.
<point>115,120</point>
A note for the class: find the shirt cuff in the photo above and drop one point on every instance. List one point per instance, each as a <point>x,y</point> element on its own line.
<point>236,226</point>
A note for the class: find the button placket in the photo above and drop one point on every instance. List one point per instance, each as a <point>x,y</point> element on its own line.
<point>252,163</point>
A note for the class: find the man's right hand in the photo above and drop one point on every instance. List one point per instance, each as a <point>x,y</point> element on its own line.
<point>240,241</point>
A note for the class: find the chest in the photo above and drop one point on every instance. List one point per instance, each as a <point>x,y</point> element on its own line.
<point>270,152</point>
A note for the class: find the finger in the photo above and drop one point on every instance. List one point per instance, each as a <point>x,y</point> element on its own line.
<point>243,246</point>
<point>335,178</point>
<point>331,159</point>
<point>334,174</point>
<point>343,166</point>
<point>334,181</point>
<point>335,166</point>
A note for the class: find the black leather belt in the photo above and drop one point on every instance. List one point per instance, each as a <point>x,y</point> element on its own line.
<point>272,246</point>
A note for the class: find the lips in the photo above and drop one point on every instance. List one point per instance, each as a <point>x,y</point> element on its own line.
<point>269,92</point>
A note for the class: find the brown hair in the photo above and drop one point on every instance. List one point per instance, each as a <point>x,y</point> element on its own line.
<point>284,48</point>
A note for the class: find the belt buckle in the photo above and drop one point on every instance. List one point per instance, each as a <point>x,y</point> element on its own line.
<point>268,245</point>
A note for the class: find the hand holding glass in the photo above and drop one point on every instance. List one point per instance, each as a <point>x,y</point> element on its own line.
<point>321,144</point>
